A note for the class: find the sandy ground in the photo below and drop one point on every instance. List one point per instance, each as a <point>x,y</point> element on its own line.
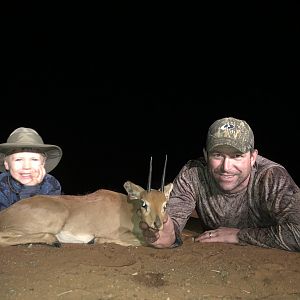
<point>109,271</point>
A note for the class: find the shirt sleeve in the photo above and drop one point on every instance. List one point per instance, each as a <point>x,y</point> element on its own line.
<point>7,197</point>
<point>50,186</point>
<point>182,199</point>
<point>279,198</point>
<point>4,203</point>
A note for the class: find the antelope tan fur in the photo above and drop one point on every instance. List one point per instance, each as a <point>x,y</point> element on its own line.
<point>101,217</point>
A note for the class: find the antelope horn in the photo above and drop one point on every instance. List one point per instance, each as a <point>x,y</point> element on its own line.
<point>164,175</point>
<point>149,176</point>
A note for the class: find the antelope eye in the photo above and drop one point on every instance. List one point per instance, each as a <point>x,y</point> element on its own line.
<point>144,205</point>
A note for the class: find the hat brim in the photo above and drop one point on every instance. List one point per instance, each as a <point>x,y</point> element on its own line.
<point>219,142</point>
<point>53,153</point>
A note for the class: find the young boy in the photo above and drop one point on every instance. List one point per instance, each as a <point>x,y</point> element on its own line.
<point>25,162</point>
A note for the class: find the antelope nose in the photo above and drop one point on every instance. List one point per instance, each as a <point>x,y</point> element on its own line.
<point>157,222</point>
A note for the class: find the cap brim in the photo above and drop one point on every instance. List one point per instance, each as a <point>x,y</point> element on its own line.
<point>226,142</point>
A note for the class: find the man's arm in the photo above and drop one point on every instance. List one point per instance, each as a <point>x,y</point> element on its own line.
<point>281,197</point>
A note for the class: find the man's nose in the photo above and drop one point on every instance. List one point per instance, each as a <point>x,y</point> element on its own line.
<point>226,163</point>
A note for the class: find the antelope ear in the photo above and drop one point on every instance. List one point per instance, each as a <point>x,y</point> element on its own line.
<point>133,190</point>
<point>167,190</point>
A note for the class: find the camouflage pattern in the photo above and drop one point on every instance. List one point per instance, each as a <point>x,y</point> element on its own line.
<point>230,132</point>
<point>267,212</point>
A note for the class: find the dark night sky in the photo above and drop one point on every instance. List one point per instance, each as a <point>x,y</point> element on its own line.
<point>113,86</point>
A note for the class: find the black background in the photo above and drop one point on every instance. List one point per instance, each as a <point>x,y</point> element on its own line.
<point>115,85</point>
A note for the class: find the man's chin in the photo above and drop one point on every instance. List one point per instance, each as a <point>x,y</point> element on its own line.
<point>225,188</point>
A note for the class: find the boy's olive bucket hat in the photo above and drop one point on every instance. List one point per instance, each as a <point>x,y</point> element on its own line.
<point>28,140</point>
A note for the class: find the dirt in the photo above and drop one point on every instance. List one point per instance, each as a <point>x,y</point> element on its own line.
<point>109,271</point>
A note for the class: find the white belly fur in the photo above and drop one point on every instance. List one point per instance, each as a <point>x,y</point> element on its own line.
<point>67,237</point>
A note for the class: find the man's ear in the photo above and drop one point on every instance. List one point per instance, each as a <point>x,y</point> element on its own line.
<point>205,154</point>
<point>253,156</point>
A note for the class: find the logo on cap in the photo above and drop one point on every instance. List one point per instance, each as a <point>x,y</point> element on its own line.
<point>227,126</point>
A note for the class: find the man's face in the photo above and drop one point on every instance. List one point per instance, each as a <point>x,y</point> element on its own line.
<point>230,168</point>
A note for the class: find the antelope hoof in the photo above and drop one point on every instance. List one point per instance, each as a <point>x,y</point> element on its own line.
<point>56,244</point>
<point>91,242</point>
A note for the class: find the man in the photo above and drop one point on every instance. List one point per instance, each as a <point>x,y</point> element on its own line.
<point>240,196</point>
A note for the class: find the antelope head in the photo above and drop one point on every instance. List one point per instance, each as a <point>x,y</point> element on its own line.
<point>153,202</point>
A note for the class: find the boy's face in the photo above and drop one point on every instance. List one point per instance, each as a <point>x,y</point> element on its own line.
<point>24,165</point>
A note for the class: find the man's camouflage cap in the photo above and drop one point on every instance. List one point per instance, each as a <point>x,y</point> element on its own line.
<point>230,132</point>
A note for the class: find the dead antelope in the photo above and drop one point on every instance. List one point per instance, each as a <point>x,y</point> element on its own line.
<point>101,217</point>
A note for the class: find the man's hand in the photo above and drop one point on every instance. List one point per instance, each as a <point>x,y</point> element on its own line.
<point>150,235</point>
<point>159,239</point>
<point>219,235</point>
